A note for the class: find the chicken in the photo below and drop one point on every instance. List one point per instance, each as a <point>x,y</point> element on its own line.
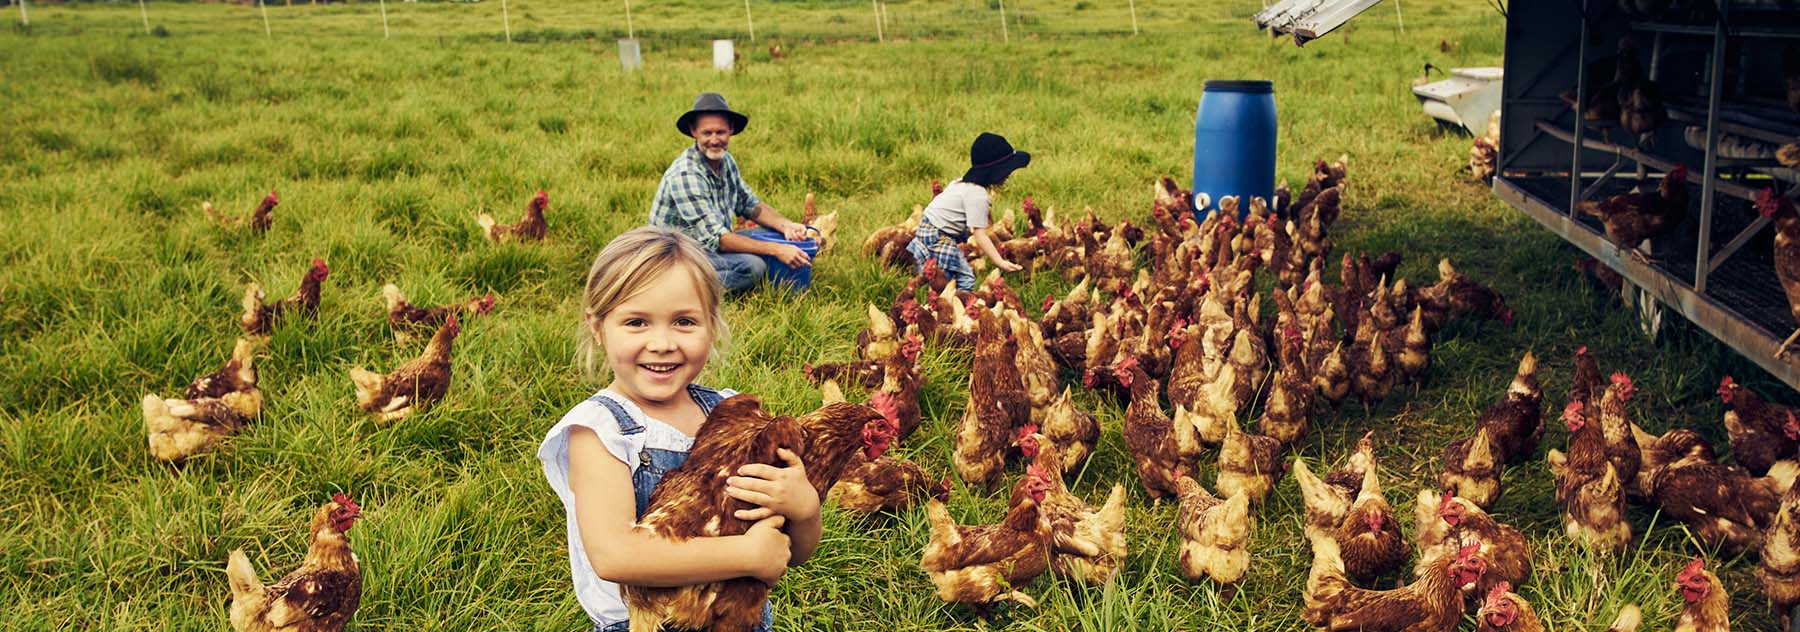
<point>823,227</point>
<point>1472,469</point>
<point>1787,227</point>
<point>691,502</point>
<point>215,406</point>
<point>1594,511</point>
<point>1154,441</point>
<point>885,485</point>
<point>1215,534</point>
<point>259,319</point>
<point>1484,154</point>
<point>1779,568</point>
<point>888,243</point>
<point>1503,611</point>
<point>880,339</point>
<point>1587,381</point>
<point>1615,427</point>
<point>1723,505</point>
<point>997,404</point>
<point>1630,218</point>
<point>897,397</point>
<point>983,564</point>
<point>1708,606</point>
<point>413,386</point>
<point>1331,378</point>
<point>1415,349</point>
<point>320,596</point>
<point>1432,603</point>
<point>1248,464</point>
<point>1515,424</point>
<point>1036,368</point>
<point>260,219</point>
<point>529,228</point>
<point>1073,431</point>
<point>1506,550</point>
<point>1761,433</point>
<point>1328,500</point>
<point>404,318</point>
<point>1608,277</point>
<point>1658,452</point>
<point>1369,537</point>
<point>1641,108</point>
<point>1455,294</point>
<point>1088,545</point>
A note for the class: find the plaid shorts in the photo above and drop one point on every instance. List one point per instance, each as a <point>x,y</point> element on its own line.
<point>931,244</point>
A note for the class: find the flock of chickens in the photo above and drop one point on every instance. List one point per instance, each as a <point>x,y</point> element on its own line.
<point>1187,326</point>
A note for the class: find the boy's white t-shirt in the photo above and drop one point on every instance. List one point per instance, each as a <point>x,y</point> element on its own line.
<point>598,597</point>
<point>960,208</point>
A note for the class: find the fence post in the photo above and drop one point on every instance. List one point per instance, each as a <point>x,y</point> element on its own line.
<point>877,6</point>
<point>1003,36</point>
<point>384,26</point>
<point>748,22</point>
<point>24,18</point>
<point>506,21</point>
<point>1134,26</point>
<point>146,13</point>
<point>629,32</point>
<point>265,13</point>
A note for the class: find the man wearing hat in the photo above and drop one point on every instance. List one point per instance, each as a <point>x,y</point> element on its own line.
<point>960,213</point>
<point>702,190</point>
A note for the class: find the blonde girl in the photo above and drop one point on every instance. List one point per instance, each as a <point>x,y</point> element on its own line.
<point>651,311</point>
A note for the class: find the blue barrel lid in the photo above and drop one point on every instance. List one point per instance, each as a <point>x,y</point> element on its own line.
<point>1254,87</point>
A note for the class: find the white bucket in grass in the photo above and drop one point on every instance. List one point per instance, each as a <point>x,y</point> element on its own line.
<point>722,54</point>
<point>631,56</point>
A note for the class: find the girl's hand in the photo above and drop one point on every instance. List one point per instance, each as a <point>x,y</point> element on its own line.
<point>768,549</point>
<point>776,491</point>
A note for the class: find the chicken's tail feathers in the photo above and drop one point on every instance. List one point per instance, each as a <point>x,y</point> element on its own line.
<point>156,412</point>
<point>243,578</point>
<point>1784,472</point>
<point>487,224</point>
<point>1629,618</point>
<point>367,384</point>
<point>392,295</point>
<point>943,527</point>
<point>1112,514</point>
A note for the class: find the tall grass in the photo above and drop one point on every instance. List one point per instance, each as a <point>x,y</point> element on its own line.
<point>115,285</point>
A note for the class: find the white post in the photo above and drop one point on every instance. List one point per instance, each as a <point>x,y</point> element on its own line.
<point>265,12</point>
<point>146,13</point>
<point>629,32</point>
<point>878,35</point>
<point>1003,36</point>
<point>748,22</point>
<point>1134,27</point>
<point>506,21</point>
<point>24,18</point>
<point>1399,17</point>
<point>384,26</point>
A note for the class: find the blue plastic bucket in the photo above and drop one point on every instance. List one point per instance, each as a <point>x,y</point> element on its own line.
<point>780,273</point>
<point>1234,143</point>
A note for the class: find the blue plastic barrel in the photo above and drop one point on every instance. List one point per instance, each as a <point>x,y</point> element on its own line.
<point>1234,143</point>
<point>780,273</point>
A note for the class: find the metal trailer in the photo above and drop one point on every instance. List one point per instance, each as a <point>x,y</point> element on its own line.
<point>1719,66</point>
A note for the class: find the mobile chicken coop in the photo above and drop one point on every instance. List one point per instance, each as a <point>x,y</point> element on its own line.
<point>1719,68</point>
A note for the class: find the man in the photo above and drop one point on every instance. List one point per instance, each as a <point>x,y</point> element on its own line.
<point>702,190</point>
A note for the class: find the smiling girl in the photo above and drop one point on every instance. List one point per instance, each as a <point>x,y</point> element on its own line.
<point>651,308</point>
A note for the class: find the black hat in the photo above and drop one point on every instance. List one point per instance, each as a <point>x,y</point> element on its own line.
<point>710,103</point>
<point>992,159</point>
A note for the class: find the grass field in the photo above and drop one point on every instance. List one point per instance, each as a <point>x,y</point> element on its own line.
<point>115,285</point>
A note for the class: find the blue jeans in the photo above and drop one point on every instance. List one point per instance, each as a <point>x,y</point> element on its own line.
<point>738,271</point>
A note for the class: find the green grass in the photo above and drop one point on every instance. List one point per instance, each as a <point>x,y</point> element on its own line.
<point>115,285</point>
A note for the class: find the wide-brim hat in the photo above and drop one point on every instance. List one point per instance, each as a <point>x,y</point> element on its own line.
<point>992,159</point>
<point>710,103</point>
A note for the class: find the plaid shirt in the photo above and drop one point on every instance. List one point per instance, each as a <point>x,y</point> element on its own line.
<point>695,201</point>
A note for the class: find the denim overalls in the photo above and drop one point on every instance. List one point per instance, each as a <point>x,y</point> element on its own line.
<point>653,464</point>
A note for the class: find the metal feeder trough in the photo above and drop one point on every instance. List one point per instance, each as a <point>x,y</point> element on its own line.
<point>1464,100</point>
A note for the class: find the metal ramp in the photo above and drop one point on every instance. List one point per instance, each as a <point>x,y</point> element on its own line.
<point>1308,20</point>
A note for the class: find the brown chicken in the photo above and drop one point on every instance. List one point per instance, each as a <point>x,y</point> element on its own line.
<point>529,228</point>
<point>1724,505</point>
<point>885,485</point>
<point>691,502</point>
<point>897,396</point>
<point>1154,441</point>
<point>1587,381</point>
<point>404,318</point>
<point>320,596</point>
<point>1615,428</point>
<point>1779,568</point>
<point>880,339</point>
<point>215,406</point>
<point>888,243</point>
<point>1630,218</point>
<point>1659,452</point>
<point>1432,603</point>
<point>1708,606</point>
<point>1369,538</point>
<point>1472,469</point>
<point>1594,512</point>
<point>1248,464</point>
<point>1786,250</point>
<point>1285,411</point>
<point>1327,501</point>
<point>1515,424</point>
<point>413,386</point>
<point>983,564</point>
<point>1641,108</point>
<point>1507,551</point>
<point>260,219</point>
<point>823,228</point>
<point>1073,431</point>
<point>1503,611</point>
<point>997,404</point>
<point>1761,433</point>
<point>1088,545</point>
<point>1455,294</point>
<point>259,319</point>
<point>1215,535</point>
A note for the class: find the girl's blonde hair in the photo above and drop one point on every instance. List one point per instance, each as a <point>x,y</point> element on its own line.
<point>629,265</point>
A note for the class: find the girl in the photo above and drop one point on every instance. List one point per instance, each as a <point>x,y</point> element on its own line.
<point>961,212</point>
<point>652,307</point>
